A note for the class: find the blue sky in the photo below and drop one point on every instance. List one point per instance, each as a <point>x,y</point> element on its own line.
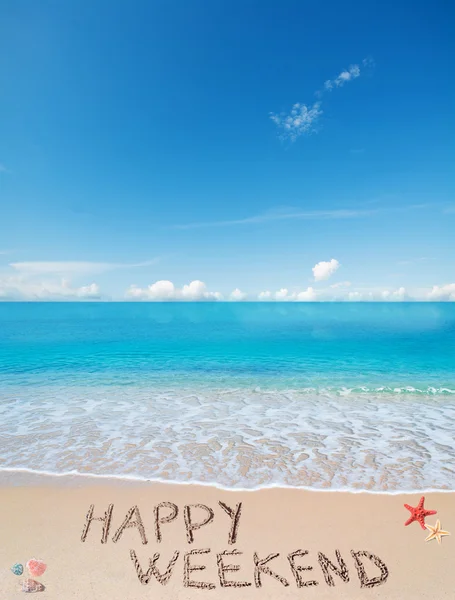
<point>143,142</point>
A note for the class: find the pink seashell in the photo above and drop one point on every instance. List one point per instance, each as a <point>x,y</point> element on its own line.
<point>36,567</point>
<point>30,586</point>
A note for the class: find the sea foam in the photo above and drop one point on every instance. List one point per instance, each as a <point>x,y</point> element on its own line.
<point>353,439</point>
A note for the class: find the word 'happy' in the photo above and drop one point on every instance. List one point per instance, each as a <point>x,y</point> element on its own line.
<point>166,512</point>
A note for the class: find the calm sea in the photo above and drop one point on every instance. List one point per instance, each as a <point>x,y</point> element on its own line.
<point>323,395</point>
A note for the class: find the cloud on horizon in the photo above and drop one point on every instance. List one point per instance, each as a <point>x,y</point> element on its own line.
<point>165,290</point>
<point>443,293</point>
<point>283,295</point>
<point>17,288</point>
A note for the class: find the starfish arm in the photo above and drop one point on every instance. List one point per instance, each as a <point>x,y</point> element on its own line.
<point>409,521</point>
<point>421,502</point>
<point>421,522</point>
<point>430,537</point>
<point>410,508</point>
<point>430,512</point>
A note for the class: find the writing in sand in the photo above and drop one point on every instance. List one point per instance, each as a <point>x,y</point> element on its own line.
<point>369,568</point>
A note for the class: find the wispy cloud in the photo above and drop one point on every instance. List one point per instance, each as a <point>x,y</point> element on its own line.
<point>412,261</point>
<point>3,169</point>
<point>282,216</point>
<point>289,215</point>
<point>347,75</point>
<point>72,268</point>
<point>303,118</point>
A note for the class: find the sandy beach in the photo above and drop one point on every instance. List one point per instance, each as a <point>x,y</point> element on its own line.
<point>299,531</point>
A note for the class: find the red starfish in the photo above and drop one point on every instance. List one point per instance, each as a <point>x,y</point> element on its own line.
<point>419,513</point>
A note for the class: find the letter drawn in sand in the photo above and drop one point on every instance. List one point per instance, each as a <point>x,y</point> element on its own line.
<point>128,522</point>
<point>190,526</point>
<point>235,517</point>
<point>162,578</point>
<point>188,569</point>
<point>297,569</point>
<point>326,564</point>
<point>167,519</point>
<point>222,569</point>
<point>259,567</point>
<point>365,581</point>
<point>106,520</point>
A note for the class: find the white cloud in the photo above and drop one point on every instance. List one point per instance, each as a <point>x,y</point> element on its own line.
<point>19,288</point>
<point>363,296</point>
<point>197,290</point>
<point>394,295</point>
<point>324,269</point>
<point>308,295</point>
<point>283,295</point>
<point>378,295</point>
<point>355,296</point>
<point>300,120</point>
<point>73,268</point>
<point>265,296</point>
<point>444,293</point>
<point>161,290</point>
<point>347,75</point>
<point>166,291</point>
<point>237,295</point>
<point>341,284</point>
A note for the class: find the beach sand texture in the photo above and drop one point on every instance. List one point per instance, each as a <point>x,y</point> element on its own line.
<point>45,518</point>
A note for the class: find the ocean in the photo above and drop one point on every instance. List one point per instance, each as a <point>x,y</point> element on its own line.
<point>352,396</point>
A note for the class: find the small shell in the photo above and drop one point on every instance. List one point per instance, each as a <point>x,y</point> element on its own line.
<point>36,567</point>
<point>30,586</point>
<point>17,569</point>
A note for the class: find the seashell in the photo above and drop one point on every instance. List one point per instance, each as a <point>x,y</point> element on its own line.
<point>17,569</point>
<point>36,567</point>
<point>30,586</point>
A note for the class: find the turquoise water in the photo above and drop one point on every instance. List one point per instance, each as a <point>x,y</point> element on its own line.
<point>313,345</point>
<point>243,394</point>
